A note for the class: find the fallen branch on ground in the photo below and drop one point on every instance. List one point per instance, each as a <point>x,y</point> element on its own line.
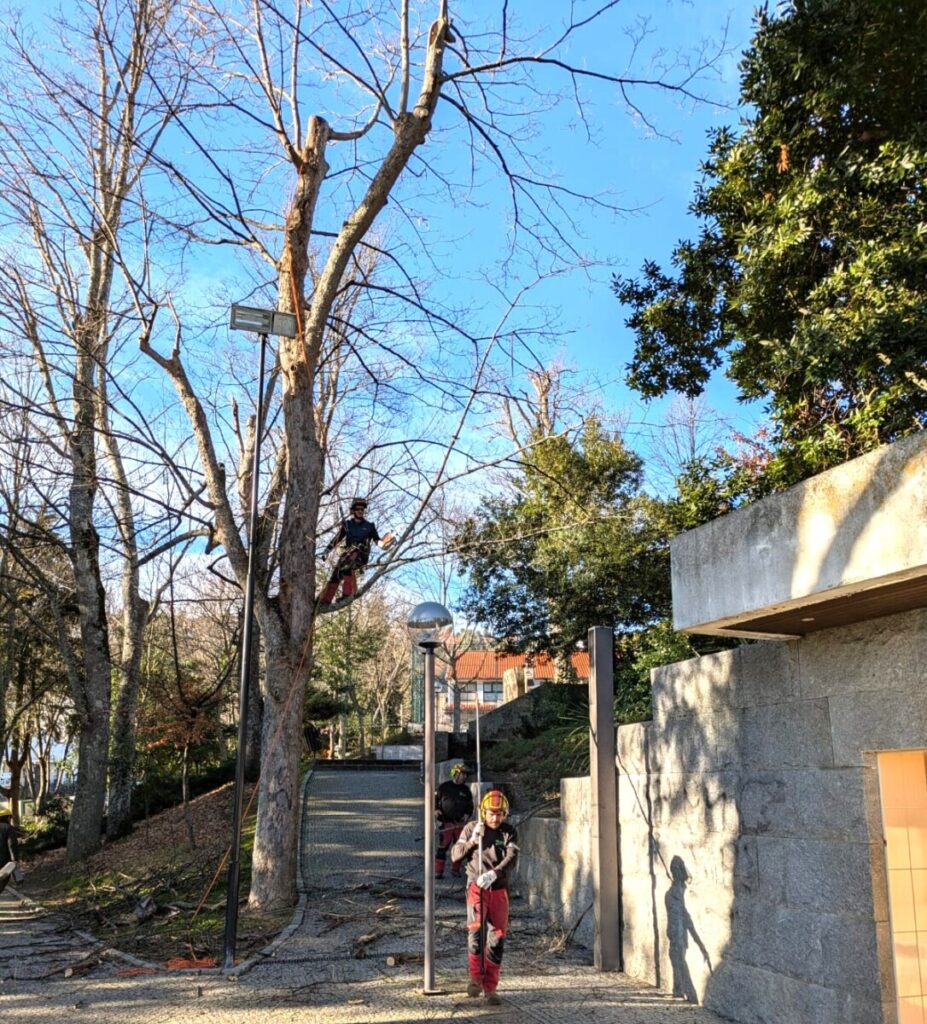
<point>361,943</point>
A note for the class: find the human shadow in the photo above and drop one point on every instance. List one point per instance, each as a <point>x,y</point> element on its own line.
<point>679,927</point>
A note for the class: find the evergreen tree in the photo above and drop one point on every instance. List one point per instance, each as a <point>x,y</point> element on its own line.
<point>809,278</point>
<point>575,543</point>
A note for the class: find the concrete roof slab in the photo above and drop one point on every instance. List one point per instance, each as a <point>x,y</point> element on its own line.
<point>847,545</point>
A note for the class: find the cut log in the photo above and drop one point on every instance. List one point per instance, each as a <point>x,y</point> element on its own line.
<point>397,959</point>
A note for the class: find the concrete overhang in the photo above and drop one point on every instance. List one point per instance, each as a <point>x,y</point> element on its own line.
<point>844,546</point>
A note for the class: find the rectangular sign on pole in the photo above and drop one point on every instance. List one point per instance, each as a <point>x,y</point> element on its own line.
<point>604,798</point>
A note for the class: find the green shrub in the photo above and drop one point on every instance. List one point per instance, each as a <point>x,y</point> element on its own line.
<point>48,831</point>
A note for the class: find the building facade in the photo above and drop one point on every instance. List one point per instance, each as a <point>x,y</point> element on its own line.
<point>483,680</point>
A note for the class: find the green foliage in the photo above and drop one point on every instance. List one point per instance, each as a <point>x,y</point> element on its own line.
<point>810,273</point>
<point>401,736</point>
<point>658,645</point>
<point>343,644</point>
<point>321,706</point>
<point>49,831</point>
<point>575,543</point>
<point>555,746</point>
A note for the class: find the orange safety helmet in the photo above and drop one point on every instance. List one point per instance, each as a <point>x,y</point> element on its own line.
<point>494,800</point>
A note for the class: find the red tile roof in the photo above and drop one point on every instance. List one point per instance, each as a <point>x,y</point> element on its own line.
<point>487,665</point>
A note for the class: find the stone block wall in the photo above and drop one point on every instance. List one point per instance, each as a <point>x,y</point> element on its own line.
<point>752,862</point>
<point>555,863</point>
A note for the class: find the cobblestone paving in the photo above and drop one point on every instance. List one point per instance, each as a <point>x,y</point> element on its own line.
<point>361,902</point>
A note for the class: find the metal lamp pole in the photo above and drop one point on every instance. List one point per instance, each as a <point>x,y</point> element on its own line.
<point>265,322</point>
<point>424,622</point>
<point>430,823</point>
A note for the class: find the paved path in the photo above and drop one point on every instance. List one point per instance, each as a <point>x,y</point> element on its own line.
<point>361,902</point>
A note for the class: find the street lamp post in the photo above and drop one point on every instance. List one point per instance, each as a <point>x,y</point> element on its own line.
<point>425,622</point>
<point>262,322</point>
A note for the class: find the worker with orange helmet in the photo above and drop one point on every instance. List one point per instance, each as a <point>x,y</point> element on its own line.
<point>489,848</point>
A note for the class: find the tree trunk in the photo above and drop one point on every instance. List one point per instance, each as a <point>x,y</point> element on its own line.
<point>185,796</point>
<point>288,650</point>
<point>92,696</point>
<point>361,731</point>
<point>134,618</point>
<point>273,867</point>
<point>122,756</point>
<point>342,736</point>
<point>16,760</point>
<point>41,794</point>
<point>255,711</point>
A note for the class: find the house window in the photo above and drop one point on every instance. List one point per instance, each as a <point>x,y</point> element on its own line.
<point>492,693</point>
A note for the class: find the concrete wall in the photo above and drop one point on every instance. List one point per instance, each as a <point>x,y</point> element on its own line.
<point>753,871</point>
<point>856,527</point>
<point>555,866</point>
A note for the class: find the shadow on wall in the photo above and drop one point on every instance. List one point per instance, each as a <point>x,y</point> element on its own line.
<point>679,927</point>
<point>678,807</point>
<point>886,472</point>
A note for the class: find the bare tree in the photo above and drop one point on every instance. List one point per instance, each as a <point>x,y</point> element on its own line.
<point>689,431</point>
<point>385,94</point>
<point>78,129</point>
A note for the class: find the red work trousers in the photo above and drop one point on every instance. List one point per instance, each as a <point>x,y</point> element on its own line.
<point>487,923</point>
<point>348,586</point>
<point>448,834</point>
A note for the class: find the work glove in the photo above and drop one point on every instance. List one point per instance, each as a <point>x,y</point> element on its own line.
<point>486,879</point>
<point>478,832</point>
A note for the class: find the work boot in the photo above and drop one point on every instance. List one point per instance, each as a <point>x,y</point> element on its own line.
<point>473,987</point>
<point>493,999</point>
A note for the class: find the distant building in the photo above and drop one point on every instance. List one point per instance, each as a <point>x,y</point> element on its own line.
<point>486,679</point>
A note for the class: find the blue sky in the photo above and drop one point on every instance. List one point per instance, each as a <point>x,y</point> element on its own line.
<point>650,167</point>
<point>656,173</point>
<point>648,163</point>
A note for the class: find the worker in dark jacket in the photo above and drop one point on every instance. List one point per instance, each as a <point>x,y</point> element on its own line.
<point>454,806</point>
<point>9,849</point>
<point>487,890</point>
<point>356,534</point>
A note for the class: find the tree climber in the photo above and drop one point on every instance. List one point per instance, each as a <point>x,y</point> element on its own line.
<point>356,534</point>
<point>454,804</point>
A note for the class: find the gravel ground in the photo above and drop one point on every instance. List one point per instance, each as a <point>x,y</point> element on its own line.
<point>360,903</point>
